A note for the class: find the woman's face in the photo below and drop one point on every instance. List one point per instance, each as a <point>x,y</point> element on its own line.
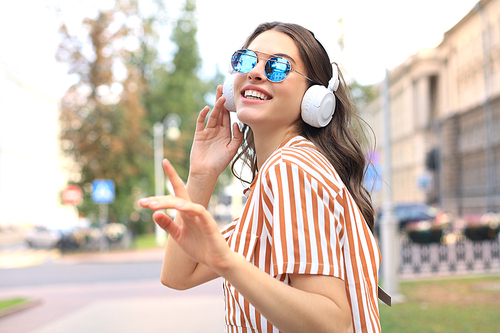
<point>278,104</point>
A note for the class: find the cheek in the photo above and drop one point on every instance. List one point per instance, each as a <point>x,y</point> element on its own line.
<point>293,98</point>
<point>238,82</point>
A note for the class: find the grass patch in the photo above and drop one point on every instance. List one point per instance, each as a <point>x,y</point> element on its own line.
<point>450,305</point>
<point>6,304</point>
<point>145,241</point>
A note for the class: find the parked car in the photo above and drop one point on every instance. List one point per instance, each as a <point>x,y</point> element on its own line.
<point>409,212</point>
<point>44,237</point>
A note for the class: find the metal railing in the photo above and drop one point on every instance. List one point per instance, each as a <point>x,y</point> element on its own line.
<point>459,258</point>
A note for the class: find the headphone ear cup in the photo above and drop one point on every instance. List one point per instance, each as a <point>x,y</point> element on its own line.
<point>318,106</point>
<point>228,93</point>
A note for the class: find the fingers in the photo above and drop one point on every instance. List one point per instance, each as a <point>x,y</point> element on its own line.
<point>218,117</point>
<point>192,209</point>
<point>200,123</point>
<point>176,181</point>
<point>213,118</point>
<point>218,94</point>
<point>237,134</point>
<point>164,221</point>
<point>173,202</point>
<point>168,201</point>
<point>162,202</point>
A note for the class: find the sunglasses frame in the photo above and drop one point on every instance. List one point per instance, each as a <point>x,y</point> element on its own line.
<point>244,52</point>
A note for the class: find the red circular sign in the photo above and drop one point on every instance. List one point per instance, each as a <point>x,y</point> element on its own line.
<point>72,195</point>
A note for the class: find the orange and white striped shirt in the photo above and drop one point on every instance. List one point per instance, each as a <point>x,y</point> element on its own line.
<point>300,219</point>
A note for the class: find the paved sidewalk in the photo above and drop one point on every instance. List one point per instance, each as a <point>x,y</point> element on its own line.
<point>118,306</point>
<point>192,314</point>
<point>125,307</point>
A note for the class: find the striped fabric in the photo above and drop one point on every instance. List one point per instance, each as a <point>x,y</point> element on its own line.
<point>299,218</point>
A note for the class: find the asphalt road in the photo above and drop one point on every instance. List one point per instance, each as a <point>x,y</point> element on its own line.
<point>54,273</point>
<point>107,293</point>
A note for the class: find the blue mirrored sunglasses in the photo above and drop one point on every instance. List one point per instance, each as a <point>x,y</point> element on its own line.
<point>276,68</point>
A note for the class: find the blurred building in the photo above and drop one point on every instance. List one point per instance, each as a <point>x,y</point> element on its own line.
<point>444,106</point>
<point>32,170</point>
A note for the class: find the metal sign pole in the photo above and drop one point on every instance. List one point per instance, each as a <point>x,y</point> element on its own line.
<point>103,219</point>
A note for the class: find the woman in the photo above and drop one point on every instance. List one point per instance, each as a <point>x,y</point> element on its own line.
<point>301,257</point>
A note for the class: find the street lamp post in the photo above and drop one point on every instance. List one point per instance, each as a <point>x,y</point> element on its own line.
<point>389,223</point>
<point>159,175</point>
<point>170,128</point>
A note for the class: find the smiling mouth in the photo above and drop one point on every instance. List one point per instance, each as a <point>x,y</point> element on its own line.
<point>253,94</point>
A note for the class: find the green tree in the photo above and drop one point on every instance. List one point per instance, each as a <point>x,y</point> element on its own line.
<point>178,89</point>
<point>121,90</point>
<point>103,115</point>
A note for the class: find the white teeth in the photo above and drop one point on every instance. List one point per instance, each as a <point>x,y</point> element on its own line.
<point>255,94</point>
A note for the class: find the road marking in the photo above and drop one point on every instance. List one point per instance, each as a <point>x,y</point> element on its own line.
<point>26,258</point>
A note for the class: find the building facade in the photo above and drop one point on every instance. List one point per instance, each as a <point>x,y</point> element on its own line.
<point>444,107</point>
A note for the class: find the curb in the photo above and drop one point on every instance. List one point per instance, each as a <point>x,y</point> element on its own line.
<point>21,307</point>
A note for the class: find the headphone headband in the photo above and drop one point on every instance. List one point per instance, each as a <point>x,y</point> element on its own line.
<point>334,82</point>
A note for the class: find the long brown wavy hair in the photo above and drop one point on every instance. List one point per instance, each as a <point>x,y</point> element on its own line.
<point>338,141</point>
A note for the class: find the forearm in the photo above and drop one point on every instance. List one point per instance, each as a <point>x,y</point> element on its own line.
<point>288,308</point>
<point>200,188</point>
<point>179,271</point>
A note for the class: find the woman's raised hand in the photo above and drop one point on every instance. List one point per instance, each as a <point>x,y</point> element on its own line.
<point>214,146</point>
<point>199,235</point>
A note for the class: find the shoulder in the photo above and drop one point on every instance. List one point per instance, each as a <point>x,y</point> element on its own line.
<point>299,156</point>
<point>295,150</point>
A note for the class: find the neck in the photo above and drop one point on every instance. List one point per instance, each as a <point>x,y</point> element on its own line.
<point>266,143</point>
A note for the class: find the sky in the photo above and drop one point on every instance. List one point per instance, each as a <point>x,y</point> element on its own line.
<point>377,34</point>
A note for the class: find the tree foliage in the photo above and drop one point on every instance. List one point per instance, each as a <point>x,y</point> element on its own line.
<point>121,88</point>
<point>179,90</point>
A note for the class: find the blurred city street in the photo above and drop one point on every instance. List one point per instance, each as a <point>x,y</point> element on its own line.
<point>104,292</point>
<point>115,87</point>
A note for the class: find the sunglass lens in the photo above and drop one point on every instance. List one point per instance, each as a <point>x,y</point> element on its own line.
<point>243,61</point>
<point>277,69</point>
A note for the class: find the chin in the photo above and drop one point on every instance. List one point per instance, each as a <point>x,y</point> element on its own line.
<point>247,113</point>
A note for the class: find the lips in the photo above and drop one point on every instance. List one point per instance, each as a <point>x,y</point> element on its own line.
<point>255,94</point>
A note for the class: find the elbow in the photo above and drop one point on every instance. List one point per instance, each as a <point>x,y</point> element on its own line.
<point>173,284</point>
<point>349,326</point>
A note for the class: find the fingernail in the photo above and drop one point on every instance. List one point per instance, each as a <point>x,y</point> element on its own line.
<point>153,203</point>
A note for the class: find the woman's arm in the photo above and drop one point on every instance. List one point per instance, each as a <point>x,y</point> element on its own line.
<point>213,149</point>
<point>312,304</point>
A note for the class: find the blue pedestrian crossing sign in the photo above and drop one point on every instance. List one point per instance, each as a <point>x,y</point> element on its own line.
<point>103,191</point>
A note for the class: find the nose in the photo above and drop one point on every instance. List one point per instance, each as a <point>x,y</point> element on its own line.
<point>258,72</point>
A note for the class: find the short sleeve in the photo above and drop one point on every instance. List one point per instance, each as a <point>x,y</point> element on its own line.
<point>305,226</point>
<point>228,230</point>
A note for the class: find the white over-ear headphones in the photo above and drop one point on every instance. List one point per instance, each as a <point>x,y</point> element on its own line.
<point>228,92</point>
<point>318,103</point>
